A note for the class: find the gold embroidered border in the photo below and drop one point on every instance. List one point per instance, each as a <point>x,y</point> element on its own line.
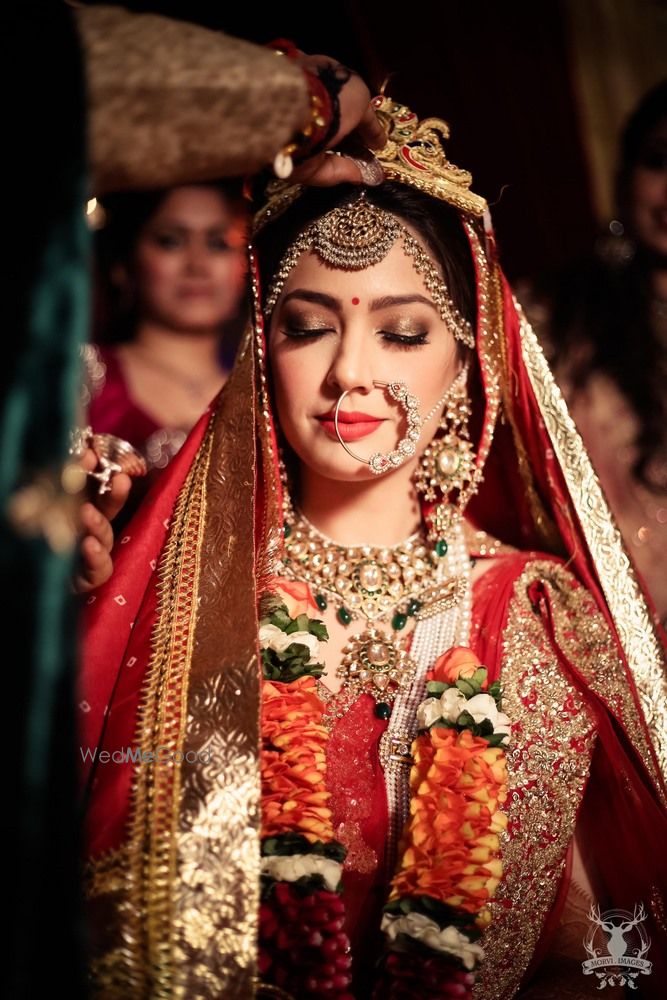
<point>129,890</point>
<point>548,763</point>
<point>636,631</point>
<point>161,723</point>
<point>216,893</point>
<point>271,542</point>
<point>489,324</point>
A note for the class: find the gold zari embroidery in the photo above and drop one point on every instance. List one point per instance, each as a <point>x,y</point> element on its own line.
<point>548,763</point>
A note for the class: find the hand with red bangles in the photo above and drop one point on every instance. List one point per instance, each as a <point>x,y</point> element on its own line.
<point>352,118</point>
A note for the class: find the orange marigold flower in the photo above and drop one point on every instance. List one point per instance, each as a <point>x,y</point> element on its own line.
<point>450,844</point>
<point>293,761</point>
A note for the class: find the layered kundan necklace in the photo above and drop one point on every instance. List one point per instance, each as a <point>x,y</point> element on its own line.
<point>383,587</point>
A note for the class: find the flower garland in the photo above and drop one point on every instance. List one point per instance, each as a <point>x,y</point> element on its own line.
<point>450,854</point>
<point>303,946</point>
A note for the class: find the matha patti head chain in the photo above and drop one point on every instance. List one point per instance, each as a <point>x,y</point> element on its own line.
<point>358,235</point>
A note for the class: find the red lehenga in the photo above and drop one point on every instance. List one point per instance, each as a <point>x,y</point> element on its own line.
<point>173,871</point>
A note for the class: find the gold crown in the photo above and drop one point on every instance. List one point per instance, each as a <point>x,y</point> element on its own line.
<point>414,155</point>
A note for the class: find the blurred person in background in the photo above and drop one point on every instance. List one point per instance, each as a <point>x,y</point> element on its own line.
<point>603,323</point>
<point>170,268</point>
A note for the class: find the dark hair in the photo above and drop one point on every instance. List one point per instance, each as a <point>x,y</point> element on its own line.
<point>601,313</point>
<point>438,224</point>
<point>643,120</point>
<point>126,214</point>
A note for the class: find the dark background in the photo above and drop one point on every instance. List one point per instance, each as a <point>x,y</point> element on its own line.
<point>498,73</point>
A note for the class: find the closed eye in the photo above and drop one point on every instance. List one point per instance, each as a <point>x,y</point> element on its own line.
<point>306,333</point>
<point>405,340</point>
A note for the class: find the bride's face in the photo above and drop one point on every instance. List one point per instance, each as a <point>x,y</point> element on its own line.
<point>334,331</point>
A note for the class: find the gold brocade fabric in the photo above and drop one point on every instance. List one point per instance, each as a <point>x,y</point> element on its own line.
<point>215,889</point>
<point>172,102</point>
<point>548,763</point>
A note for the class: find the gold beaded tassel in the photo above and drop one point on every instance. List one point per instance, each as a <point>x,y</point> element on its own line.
<point>270,548</point>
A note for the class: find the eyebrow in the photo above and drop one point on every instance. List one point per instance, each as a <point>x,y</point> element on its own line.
<point>322,299</point>
<point>400,300</point>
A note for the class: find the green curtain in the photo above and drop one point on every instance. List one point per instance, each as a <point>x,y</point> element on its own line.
<point>45,320</point>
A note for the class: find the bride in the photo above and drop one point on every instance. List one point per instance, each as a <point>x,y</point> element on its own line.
<point>372,704</point>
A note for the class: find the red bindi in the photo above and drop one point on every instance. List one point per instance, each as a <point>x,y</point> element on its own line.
<point>355,301</point>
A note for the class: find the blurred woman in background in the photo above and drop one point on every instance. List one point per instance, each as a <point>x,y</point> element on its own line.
<point>171,269</point>
<point>603,324</point>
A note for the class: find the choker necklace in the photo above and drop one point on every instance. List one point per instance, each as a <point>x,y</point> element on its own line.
<point>383,585</point>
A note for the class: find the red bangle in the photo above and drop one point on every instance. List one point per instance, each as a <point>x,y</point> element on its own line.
<point>311,135</point>
<point>285,47</point>
<point>321,112</point>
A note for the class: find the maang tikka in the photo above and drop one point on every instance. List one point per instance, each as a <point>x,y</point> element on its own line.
<point>449,462</point>
<point>357,235</point>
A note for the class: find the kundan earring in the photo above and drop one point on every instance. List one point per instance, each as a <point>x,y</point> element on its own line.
<point>449,461</point>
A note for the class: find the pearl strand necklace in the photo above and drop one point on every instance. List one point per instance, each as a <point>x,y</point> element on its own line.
<point>432,637</point>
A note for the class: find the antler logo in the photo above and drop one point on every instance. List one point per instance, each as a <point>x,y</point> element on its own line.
<point>626,944</point>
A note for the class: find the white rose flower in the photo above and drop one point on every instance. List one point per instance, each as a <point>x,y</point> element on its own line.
<point>272,637</point>
<point>455,943</point>
<point>289,868</point>
<point>428,713</point>
<point>306,639</point>
<point>268,634</point>
<point>422,928</point>
<point>483,706</point>
<point>452,703</point>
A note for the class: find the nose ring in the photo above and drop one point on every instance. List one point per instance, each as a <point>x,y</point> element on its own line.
<point>398,391</point>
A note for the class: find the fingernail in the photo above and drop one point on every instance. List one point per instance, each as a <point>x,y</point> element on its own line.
<point>370,169</point>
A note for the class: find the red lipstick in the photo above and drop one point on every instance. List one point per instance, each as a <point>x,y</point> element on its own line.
<point>352,424</point>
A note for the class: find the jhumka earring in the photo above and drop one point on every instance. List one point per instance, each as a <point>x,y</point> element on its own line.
<point>449,462</point>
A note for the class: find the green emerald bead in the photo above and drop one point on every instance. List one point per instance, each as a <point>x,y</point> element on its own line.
<point>398,621</point>
<point>321,602</point>
<point>382,710</point>
<point>287,530</point>
<point>441,547</point>
<point>414,606</point>
<point>344,616</point>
